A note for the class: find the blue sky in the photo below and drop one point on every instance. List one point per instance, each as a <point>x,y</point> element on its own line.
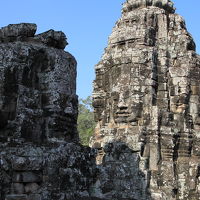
<point>87,24</point>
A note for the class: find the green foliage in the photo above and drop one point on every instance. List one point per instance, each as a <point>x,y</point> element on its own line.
<point>86,123</point>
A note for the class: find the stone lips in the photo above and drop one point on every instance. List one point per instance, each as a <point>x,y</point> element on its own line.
<point>146,96</point>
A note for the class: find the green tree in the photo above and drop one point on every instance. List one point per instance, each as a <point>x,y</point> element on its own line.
<point>86,123</point>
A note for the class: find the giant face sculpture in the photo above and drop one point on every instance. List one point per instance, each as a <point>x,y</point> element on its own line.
<point>37,87</point>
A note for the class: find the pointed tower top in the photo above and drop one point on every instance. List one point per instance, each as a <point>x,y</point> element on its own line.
<point>130,5</point>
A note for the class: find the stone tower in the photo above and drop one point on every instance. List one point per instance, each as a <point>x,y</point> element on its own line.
<point>40,158</point>
<point>147,109</point>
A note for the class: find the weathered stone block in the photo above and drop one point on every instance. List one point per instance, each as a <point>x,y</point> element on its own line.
<point>18,188</point>
<point>34,197</point>
<point>27,177</point>
<point>53,38</point>
<point>31,187</point>
<point>14,31</point>
<point>195,90</point>
<point>16,197</point>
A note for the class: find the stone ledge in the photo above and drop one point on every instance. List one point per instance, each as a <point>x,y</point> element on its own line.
<point>26,32</point>
<point>16,197</point>
<point>23,197</point>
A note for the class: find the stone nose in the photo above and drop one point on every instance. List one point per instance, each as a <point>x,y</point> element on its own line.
<point>122,105</point>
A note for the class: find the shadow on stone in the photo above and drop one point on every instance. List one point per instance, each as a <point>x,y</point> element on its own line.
<point>120,174</point>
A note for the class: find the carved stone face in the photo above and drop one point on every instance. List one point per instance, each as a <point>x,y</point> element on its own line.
<point>36,99</point>
<point>123,103</point>
<point>125,109</point>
